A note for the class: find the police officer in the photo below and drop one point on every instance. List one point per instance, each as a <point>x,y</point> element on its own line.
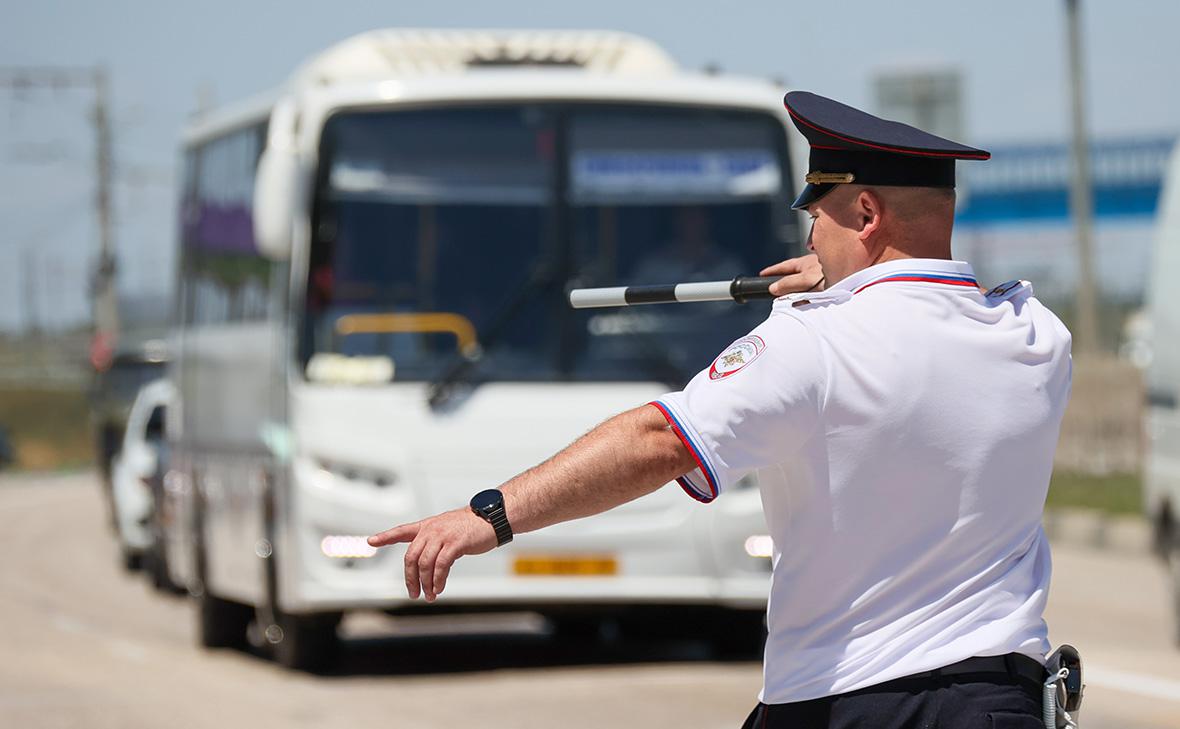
<point>902,422</point>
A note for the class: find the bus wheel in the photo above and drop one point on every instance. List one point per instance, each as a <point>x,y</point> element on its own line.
<point>305,642</point>
<point>221,623</point>
<point>156,566</point>
<point>130,560</point>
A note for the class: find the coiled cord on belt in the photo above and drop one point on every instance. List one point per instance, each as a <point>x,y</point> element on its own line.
<point>1049,702</point>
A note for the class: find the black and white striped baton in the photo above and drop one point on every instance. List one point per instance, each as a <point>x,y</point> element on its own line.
<point>741,289</point>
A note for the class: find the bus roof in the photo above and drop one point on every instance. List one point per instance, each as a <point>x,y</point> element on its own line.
<point>245,112</point>
<point>405,53</point>
<point>439,65</point>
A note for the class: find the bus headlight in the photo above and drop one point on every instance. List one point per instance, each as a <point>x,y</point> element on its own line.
<point>760,545</point>
<point>347,547</point>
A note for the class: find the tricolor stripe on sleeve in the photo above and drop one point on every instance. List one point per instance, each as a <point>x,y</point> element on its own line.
<point>698,455</point>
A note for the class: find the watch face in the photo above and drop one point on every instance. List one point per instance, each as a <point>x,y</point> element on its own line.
<point>485,500</point>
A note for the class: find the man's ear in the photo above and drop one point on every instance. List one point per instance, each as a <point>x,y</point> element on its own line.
<point>868,214</point>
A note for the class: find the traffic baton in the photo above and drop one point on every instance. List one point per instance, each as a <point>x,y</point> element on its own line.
<point>741,289</point>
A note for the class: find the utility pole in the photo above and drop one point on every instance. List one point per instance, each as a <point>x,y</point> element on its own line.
<point>31,293</point>
<point>106,307</point>
<point>1081,197</point>
<point>106,313</point>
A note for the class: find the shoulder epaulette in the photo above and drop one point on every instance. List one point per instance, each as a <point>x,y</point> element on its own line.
<point>1008,289</point>
<point>814,298</point>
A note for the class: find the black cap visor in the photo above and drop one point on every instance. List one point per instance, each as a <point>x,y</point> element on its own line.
<point>812,192</point>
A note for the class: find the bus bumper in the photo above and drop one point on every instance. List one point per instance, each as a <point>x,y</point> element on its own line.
<point>665,549</point>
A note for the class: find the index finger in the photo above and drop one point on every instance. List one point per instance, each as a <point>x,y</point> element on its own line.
<point>784,268</point>
<point>403,533</point>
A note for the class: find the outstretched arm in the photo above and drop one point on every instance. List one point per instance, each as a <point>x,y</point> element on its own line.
<point>626,457</point>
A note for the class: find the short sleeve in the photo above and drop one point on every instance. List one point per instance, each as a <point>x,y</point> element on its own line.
<point>753,407</point>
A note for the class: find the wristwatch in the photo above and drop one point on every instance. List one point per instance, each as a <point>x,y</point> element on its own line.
<point>489,506</point>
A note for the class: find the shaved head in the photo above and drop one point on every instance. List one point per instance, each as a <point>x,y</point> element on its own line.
<point>914,203</point>
<point>857,226</point>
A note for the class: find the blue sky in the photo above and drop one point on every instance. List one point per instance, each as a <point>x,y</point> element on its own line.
<point>1011,54</point>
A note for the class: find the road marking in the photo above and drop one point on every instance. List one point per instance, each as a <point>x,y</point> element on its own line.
<point>1132,683</point>
<point>127,649</point>
<point>130,650</point>
<point>67,624</point>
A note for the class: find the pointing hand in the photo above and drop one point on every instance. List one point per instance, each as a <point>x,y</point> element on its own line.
<point>435,544</point>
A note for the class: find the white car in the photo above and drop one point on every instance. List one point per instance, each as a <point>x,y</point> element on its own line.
<point>134,467</point>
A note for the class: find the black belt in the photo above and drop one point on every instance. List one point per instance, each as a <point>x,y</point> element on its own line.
<point>1013,669</point>
<point>1013,665</point>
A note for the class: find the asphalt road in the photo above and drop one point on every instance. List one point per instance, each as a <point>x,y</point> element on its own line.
<point>85,645</point>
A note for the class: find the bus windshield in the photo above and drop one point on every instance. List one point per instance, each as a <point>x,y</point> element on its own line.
<point>431,225</point>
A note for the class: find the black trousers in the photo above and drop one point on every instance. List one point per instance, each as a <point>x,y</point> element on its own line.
<point>968,701</point>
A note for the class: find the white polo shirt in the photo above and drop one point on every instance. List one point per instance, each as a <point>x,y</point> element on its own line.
<point>902,424</point>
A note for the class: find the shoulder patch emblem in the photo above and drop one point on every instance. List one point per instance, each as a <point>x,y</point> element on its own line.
<point>737,356</point>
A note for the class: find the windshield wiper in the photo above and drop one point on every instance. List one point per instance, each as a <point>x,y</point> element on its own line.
<point>461,366</point>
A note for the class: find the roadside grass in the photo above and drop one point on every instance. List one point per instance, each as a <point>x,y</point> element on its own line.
<point>48,428</point>
<point>1119,493</point>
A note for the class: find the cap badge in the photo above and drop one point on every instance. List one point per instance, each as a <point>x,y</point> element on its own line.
<point>827,178</point>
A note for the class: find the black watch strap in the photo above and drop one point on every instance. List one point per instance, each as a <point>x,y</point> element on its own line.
<point>499,521</point>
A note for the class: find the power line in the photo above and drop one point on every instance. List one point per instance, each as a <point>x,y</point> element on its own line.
<point>106,314</point>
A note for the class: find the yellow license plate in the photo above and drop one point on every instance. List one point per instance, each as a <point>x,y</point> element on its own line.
<point>565,566</point>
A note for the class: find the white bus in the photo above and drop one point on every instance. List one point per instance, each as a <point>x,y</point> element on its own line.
<point>372,326</point>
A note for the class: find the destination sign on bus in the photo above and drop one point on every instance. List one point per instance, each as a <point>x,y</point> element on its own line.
<point>735,172</point>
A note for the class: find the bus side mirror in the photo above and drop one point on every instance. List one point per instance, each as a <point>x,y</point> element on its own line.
<point>275,186</point>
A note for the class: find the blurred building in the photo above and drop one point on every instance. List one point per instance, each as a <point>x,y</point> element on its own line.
<point>927,97</point>
<point>1013,218</point>
<point>1015,221</point>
